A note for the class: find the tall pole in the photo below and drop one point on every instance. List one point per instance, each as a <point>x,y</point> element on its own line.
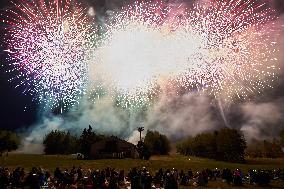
<point>140,129</point>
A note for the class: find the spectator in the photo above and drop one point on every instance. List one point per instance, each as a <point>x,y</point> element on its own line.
<point>184,181</point>
<point>237,178</point>
<point>139,179</point>
<point>227,176</point>
<point>190,174</point>
<point>200,179</point>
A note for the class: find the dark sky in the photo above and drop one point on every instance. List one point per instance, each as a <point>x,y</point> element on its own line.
<point>18,110</point>
<point>13,113</point>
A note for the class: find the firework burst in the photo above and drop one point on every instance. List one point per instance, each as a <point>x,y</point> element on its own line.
<point>230,50</point>
<point>225,48</point>
<point>48,46</point>
<point>133,53</point>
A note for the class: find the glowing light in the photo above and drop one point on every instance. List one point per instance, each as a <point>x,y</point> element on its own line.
<point>48,45</point>
<point>134,51</point>
<point>91,12</point>
<point>225,48</point>
<point>219,47</point>
<point>230,42</point>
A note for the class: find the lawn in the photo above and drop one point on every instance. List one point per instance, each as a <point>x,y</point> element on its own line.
<point>179,162</point>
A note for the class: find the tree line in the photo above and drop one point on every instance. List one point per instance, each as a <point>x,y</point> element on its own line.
<point>63,142</point>
<point>154,143</point>
<point>230,145</point>
<point>8,141</point>
<point>265,149</point>
<point>225,144</point>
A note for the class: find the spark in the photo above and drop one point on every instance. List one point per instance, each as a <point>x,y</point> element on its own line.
<point>229,45</point>
<point>224,48</point>
<point>133,52</point>
<point>48,45</point>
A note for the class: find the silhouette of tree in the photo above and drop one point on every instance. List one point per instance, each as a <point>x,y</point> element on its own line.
<point>140,129</point>
<point>8,141</point>
<point>143,150</point>
<point>157,143</point>
<point>60,142</point>
<point>87,139</point>
<point>225,144</point>
<point>264,148</point>
<point>231,145</point>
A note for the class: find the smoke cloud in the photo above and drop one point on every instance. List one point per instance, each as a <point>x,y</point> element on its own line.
<point>180,116</point>
<point>262,120</point>
<point>175,116</point>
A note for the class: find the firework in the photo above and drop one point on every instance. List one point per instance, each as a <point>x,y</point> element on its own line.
<point>225,48</point>
<point>230,48</point>
<point>133,53</point>
<point>48,48</point>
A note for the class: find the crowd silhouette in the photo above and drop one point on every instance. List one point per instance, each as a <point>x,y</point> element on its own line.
<point>109,178</point>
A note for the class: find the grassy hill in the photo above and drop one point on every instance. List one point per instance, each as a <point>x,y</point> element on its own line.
<point>50,162</point>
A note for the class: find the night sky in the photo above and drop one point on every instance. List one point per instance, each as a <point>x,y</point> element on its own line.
<point>13,113</point>
<point>18,110</point>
